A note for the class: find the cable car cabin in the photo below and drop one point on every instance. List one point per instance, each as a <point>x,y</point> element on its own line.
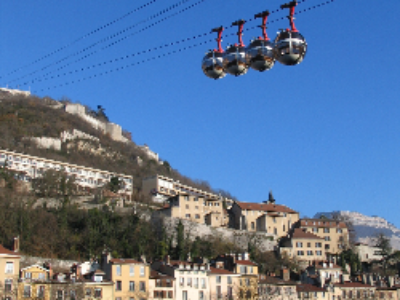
<point>290,48</point>
<point>235,60</point>
<point>260,55</point>
<point>212,65</point>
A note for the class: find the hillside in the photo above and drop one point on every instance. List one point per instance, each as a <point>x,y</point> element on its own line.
<point>367,227</point>
<point>25,117</point>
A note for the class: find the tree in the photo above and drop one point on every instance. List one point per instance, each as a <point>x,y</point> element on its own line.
<point>382,242</point>
<point>115,184</point>
<point>180,241</point>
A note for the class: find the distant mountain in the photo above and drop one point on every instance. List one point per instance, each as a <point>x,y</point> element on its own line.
<point>366,227</point>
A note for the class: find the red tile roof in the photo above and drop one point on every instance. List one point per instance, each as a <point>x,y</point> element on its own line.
<point>6,251</point>
<point>220,271</point>
<point>120,261</point>
<point>245,262</point>
<point>322,223</point>
<point>308,288</point>
<point>300,234</point>
<point>353,285</point>
<point>276,281</point>
<point>270,207</point>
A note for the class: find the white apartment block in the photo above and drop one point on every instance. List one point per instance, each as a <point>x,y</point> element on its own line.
<point>161,188</point>
<point>30,167</point>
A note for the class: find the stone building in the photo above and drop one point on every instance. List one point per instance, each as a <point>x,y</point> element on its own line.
<point>267,217</point>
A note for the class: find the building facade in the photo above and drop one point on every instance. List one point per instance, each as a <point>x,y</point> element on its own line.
<point>29,167</point>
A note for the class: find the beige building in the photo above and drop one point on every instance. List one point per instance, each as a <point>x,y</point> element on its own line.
<point>277,288</point>
<point>130,277</point>
<point>334,233</point>
<point>224,284</point>
<point>196,208</point>
<point>303,246</point>
<point>356,290</point>
<point>191,279</point>
<point>9,273</point>
<point>367,253</point>
<point>312,292</point>
<point>266,217</point>
<point>161,286</point>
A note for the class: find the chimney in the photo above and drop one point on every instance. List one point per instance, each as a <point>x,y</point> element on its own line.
<point>143,258</point>
<point>390,281</point>
<point>16,244</point>
<point>285,274</point>
<point>167,260</point>
<point>364,279</point>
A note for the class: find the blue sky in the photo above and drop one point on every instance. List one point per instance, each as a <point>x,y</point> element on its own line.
<point>323,135</point>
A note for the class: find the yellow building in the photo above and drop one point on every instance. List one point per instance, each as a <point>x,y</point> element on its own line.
<point>34,283</point>
<point>130,277</point>
<point>246,286</point>
<point>9,273</point>
<point>303,246</point>
<point>266,217</point>
<point>334,233</point>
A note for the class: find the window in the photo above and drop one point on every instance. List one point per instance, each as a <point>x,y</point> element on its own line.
<point>308,245</point>
<point>27,291</point>
<point>142,286</point>
<point>201,295</point>
<point>187,206</point>
<point>181,281</point>
<point>118,270</point>
<point>196,282</point>
<point>218,279</point>
<point>28,275</point>
<point>131,270</point>
<point>187,216</point>
<point>327,238</point>
<point>252,225</point>
<point>118,285</point>
<point>189,281</point>
<point>184,295</point>
<point>309,253</point>
<point>229,280</point>
<point>300,253</point>
<point>59,295</point>
<point>8,285</point>
<point>197,216</point>
<point>230,291</point>
<point>168,283</point>
<point>203,283</point>
<point>327,247</point>
<point>131,286</point>
<point>170,295</point>
<point>219,292</point>
<point>41,276</point>
<point>97,293</point>
<point>319,253</point>
<point>88,292</point>
<point>40,291</point>
<point>72,295</point>
<point>318,245</point>
<point>299,244</point>
<point>141,271</point>
<point>9,267</point>
<point>339,230</point>
<point>326,230</point>
<point>251,270</point>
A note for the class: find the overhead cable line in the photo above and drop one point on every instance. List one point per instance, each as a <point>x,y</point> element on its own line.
<point>159,56</point>
<point>43,77</point>
<point>82,37</point>
<point>108,38</point>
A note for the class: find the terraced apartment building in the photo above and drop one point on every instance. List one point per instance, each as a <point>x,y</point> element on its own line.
<point>28,167</point>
